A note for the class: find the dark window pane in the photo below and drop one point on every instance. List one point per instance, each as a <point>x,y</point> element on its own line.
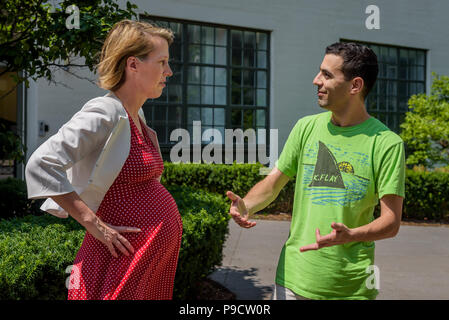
<point>236,77</point>
<point>220,77</point>
<point>175,93</point>
<point>237,57</point>
<point>392,56</point>
<point>392,71</point>
<point>382,102</point>
<point>382,87</point>
<point>420,87</point>
<point>403,57</point>
<point>193,75</point>
<point>207,75</point>
<point>207,35</point>
<point>260,118</point>
<point>207,116</point>
<point>177,30</point>
<point>262,41</point>
<point>176,51</point>
<point>248,119</point>
<point>220,95</point>
<point>207,94</point>
<point>261,97</point>
<point>392,88</point>
<point>207,54</point>
<point>248,58</point>
<point>193,94</point>
<point>261,79</point>
<point>403,92</point>
<point>236,118</point>
<point>248,97</point>
<point>160,114</point>
<point>219,117</point>
<point>236,38</point>
<point>250,40</point>
<point>412,57</point>
<point>384,54</point>
<point>248,78</point>
<point>221,37</point>
<point>194,33</point>
<point>236,95</point>
<point>194,53</point>
<point>403,72</point>
<point>403,104</point>
<point>412,73</point>
<point>420,73</point>
<point>420,58</point>
<point>220,55</point>
<point>177,73</point>
<point>161,133</point>
<point>392,104</point>
<point>261,59</point>
<point>175,115</point>
<point>193,114</point>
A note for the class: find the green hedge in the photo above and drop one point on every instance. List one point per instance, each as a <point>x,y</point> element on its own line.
<point>13,200</point>
<point>36,250</point>
<point>219,178</point>
<point>426,198</point>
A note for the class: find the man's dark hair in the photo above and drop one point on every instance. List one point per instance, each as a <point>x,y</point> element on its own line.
<point>358,61</point>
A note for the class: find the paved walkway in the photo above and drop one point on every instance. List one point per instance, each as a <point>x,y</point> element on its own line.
<point>413,265</point>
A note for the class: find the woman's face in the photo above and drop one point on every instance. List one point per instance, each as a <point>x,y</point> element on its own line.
<point>153,70</point>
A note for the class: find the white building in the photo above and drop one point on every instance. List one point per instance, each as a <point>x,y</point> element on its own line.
<point>250,63</point>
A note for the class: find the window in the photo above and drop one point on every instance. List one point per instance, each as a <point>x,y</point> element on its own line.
<point>402,73</point>
<point>220,77</point>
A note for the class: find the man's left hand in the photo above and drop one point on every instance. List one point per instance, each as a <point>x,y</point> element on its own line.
<point>339,235</point>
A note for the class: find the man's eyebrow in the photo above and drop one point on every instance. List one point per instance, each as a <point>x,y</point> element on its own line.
<point>326,71</point>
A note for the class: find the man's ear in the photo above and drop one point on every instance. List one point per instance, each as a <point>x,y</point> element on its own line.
<point>357,85</point>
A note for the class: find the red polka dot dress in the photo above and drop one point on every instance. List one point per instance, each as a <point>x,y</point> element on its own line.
<point>135,199</point>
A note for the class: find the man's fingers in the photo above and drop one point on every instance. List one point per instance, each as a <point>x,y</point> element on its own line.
<point>231,195</point>
<point>313,246</point>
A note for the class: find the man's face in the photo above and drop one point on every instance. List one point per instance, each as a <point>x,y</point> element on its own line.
<point>333,90</point>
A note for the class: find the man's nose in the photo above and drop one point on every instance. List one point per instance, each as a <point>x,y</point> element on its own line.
<point>317,80</point>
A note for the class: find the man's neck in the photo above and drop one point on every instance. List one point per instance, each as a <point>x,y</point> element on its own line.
<point>350,116</point>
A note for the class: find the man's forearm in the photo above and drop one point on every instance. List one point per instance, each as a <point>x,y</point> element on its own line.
<point>262,194</point>
<point>381,228</point>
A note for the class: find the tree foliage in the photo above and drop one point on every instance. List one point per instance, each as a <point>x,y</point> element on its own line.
<point>425,129</point>
<point>37,36</point>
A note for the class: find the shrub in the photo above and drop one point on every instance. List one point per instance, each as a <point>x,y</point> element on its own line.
<point>219,178</point>
<point>36,250</point>
<point>13,199</point>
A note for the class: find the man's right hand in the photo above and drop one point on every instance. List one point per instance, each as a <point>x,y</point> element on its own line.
<point>238,211</point>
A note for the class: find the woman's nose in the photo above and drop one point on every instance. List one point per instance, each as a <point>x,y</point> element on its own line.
<point>168,71</point>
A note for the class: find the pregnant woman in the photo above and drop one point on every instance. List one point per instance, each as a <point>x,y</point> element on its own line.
<point>103,168</point>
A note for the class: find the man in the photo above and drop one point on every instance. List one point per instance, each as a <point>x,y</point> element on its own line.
<point>344,162</point>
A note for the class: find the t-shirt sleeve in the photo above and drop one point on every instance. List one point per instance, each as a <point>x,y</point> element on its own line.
<point>391,172</point>
<point>288,160</point>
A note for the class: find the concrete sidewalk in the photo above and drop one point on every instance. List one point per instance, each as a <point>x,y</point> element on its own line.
<point>413,265</point>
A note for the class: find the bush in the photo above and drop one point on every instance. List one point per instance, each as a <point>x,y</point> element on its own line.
<point>427,195</point>
<point>36,250</point>
<point>219,178</point>
<point>13,199</point>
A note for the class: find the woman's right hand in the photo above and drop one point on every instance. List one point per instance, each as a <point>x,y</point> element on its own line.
<point>110,236</point>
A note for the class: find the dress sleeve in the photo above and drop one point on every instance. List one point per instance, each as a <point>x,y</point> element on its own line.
<point>88,130</point>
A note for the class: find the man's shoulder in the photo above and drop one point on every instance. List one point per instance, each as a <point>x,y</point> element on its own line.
<point>385,135</point>
<point>312,120</point>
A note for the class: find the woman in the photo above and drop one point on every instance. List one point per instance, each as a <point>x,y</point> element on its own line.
<point>103,168</point>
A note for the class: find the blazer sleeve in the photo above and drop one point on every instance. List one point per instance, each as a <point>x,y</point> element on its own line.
<point>88,130</point>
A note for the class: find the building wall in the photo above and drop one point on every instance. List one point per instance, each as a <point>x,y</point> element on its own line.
<point>300,31</point>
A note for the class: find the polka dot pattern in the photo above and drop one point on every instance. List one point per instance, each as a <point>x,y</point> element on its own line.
<point>135,199</point>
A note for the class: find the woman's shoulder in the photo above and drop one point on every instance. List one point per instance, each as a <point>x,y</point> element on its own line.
<point>106,105</point>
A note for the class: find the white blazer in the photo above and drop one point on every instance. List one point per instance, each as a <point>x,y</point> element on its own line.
<point>85,156</point>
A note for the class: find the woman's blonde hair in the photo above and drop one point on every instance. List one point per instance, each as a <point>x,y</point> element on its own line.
<point>126,38</point>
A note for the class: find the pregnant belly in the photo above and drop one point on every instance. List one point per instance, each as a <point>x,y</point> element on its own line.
<point>148,206</point>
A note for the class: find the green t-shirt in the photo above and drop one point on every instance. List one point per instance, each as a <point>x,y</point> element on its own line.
<point>341,173</point>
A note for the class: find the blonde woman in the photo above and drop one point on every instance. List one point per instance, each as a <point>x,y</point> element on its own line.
<point>103,168</point>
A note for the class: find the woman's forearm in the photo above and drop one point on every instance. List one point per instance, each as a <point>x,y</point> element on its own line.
<point>75,207</point>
